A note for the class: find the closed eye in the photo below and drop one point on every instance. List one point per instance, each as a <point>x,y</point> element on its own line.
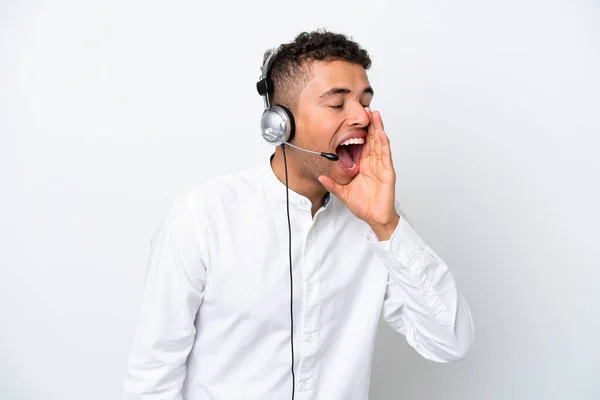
<point>340,106</point>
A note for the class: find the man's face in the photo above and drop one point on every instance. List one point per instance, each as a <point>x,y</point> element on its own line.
<point>331,109</point>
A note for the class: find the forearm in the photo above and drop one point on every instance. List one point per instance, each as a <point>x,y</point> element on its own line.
<point>434,317</point>
<point>422,299</point>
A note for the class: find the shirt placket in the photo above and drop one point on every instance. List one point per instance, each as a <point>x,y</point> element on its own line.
<point>308,367</point>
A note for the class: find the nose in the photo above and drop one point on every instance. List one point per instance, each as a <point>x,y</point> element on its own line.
<point>358,116</point>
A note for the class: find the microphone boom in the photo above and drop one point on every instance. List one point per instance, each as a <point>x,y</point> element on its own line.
<point>329,156</point>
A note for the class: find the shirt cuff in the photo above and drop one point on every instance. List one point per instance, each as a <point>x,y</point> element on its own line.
<point>402,248</point>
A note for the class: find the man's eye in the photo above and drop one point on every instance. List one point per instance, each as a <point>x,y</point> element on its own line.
<point>338,107</point>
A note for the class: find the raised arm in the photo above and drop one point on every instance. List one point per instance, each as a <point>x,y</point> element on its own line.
<point>422,300</point>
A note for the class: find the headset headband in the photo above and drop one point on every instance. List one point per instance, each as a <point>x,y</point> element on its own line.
<point>265,84</point>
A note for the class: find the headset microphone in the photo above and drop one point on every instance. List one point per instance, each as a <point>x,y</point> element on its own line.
<point>277,122</point>
<point>277,127</point>
<point>270,136</point>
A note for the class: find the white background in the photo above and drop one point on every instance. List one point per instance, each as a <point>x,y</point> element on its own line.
<point>109,109</point>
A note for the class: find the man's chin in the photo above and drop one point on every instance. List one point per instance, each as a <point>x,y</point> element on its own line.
<point>342,178</point>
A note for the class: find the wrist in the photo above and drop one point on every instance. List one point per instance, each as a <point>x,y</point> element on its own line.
<point>384,231</point>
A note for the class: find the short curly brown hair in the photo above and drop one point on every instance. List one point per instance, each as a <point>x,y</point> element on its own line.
<point>288,68</point>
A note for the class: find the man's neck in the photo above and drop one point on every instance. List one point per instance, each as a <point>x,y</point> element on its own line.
<point>313,191</point>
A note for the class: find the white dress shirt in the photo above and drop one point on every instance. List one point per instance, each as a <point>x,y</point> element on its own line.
<point>215,313</point>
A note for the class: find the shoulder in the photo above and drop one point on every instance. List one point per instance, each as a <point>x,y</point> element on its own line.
<point>227,186</point>
<point>208,202</point>
<point>218,194</point>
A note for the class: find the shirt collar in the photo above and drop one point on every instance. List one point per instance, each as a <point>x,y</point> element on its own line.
<point>277,190</point>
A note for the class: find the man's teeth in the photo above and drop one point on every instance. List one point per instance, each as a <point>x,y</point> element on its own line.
<point>353,141</point>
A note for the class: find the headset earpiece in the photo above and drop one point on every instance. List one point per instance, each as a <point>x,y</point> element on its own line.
<point>277,124</point>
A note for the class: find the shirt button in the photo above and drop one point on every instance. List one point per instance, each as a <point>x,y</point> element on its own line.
<point>309,337</point>
<point>304,203</point>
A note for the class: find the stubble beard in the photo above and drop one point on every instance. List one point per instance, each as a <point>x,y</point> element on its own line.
<point>314,166</point>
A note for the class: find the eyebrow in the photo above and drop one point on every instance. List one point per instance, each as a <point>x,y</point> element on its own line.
<point>333,91</point>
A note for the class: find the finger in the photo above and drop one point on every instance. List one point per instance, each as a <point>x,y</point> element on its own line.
<point>378,121</point>
<point>371,139</point>
<point>386,150</point>
<point>377,129</point>
<point>367,147</point>
<point>332,186</point>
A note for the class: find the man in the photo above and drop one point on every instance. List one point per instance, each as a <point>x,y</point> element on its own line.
<point>246,274</point>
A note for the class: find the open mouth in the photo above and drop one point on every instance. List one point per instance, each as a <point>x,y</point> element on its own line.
<point>349,153</point>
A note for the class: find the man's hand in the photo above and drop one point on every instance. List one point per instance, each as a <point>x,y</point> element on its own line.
<point>371,194</point>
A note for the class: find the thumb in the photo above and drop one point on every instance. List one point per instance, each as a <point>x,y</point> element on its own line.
<point>331,186</point>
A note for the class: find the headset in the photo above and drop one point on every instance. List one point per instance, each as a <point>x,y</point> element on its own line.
<point>277,126</point>
<point>277,122</point>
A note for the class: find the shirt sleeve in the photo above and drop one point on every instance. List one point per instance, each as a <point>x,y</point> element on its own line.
<point>172,294</point>
<point>422,300</point>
